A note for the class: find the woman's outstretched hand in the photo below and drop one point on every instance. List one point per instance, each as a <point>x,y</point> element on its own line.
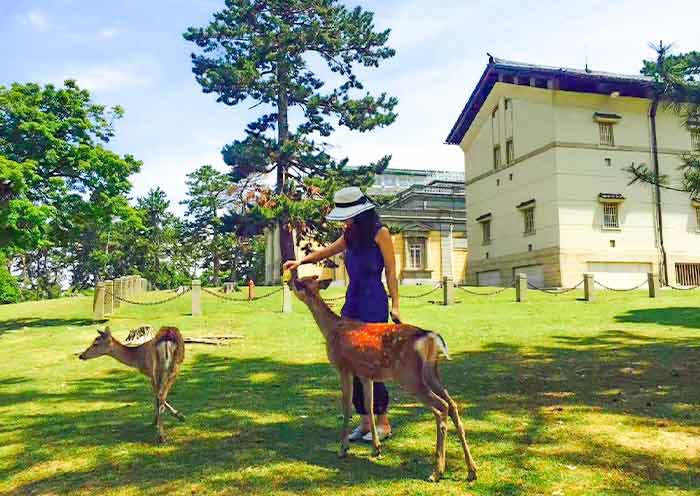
<point>291,265</point>
<point>395,317</point>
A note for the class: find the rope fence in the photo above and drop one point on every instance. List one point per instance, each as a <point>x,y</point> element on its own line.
<point>146,303</point>
<point>231,298</point>
<point>620,290</point>
<point>491,293</point>
<point>555,292</point>
<point>109,295</point>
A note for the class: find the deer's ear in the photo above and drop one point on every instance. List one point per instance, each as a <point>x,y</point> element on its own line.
<point>324,283</point>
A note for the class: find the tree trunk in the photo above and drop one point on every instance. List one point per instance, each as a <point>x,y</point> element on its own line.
<point>286,238</point>
<point>663,272</point>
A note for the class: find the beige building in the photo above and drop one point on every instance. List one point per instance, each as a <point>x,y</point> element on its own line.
<point>544,150</point>
<point>428,225</point>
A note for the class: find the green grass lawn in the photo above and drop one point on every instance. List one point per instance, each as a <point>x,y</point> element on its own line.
<point>558,396</point>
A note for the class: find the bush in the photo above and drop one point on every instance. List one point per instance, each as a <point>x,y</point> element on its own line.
<point>9,288</point>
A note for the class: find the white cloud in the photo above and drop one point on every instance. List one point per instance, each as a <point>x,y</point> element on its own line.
<point>114,75</point>
<point>37,19</point>
<point>107,33</point>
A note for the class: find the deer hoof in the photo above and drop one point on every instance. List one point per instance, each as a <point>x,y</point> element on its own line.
<point>343,453</point>
<point>180,417</point>
<point>377,453</point>
<point>471,477</point>
<point>161,438</point>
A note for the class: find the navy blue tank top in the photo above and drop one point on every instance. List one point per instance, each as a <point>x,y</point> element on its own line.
<point>366,299</point>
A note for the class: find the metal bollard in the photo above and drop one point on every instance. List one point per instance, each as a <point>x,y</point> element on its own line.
<point>588,287</point>
<point>520,287</point>
<point>196,297</point>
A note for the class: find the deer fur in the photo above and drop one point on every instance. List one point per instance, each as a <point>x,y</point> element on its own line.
<point>158,359</point>
<point>385,352</point>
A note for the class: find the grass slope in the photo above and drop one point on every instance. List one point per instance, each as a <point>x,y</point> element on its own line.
<point>558,396</point>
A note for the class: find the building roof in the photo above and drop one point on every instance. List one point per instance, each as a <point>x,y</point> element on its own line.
<point>563,78</point>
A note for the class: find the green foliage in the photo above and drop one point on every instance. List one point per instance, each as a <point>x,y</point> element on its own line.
<point>260,50</point>
<point>676,86</point>
<point>61,186</point>
<point>9,288</point>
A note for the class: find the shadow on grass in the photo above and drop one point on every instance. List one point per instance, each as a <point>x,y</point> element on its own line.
<point>34,322</point>
<point>674,316</point>
<point>258,425</point>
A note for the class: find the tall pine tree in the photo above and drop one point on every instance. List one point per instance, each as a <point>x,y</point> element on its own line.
<point>260,50</point>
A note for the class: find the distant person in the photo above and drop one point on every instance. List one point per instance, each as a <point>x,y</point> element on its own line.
<point>368,250</point>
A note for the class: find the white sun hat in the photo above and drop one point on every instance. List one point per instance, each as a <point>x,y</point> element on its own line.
<point>348,203</point>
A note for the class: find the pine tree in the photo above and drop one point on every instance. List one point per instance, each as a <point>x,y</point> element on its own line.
<point>260,50</point>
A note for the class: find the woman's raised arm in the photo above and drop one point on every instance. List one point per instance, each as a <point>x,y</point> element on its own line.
<point>334,248</point>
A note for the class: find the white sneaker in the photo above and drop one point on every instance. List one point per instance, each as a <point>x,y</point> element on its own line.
<point>357,434</point>
<point>381,434</point>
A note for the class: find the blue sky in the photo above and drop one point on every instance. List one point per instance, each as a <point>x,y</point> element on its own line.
<point>132,53</point>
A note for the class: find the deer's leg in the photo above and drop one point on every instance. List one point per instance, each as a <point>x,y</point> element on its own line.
<point>433,380</point>
<point>346,385</point>
<point>440,411</point>
<point>175,413</point>
<point>368,390</point>
<point>162,438</point>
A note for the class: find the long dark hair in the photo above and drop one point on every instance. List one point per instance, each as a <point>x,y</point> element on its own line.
<point>362,230</point>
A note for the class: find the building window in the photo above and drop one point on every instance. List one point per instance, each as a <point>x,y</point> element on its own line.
<point>695,140</point>
<point>486,232</point>
<point>507,104</point>
<point>606,133</point>
<point>688,274</point>
<point>529,220</point>
<point>494,114</point>
<point>416,253</point>
<point>611,219</point>
<point>608,162</point>
<point>510,151</point>
<point>697,219</point>
<point>497,157</point>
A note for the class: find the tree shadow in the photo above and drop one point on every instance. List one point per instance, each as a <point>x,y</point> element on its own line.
<point>35,322</point>
<point>251,423</point>
<point>672,316</point>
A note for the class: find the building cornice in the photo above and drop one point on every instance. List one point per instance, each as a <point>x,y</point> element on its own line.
<point>573,145</point>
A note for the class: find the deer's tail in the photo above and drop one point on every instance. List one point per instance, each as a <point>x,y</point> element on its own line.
<point>429,345</point>
<point>169,353</point>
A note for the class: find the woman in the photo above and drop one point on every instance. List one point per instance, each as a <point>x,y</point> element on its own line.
<point>368,250</point>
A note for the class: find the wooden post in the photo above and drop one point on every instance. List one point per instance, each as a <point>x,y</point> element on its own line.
<point>588,287</point>
<point>196,297</point>
<point>447,291</point>
<point>652,282</point>
<point>520,287</point>
<point>98,307</point>
<point>109,297</point>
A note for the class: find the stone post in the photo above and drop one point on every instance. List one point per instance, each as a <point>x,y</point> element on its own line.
<point>588,287</point>
<point>520,287</point>
<point>144,284</point>
<point>117,292</point>
<point>652,282</point>
<point>132,286</point>
<point>447,291</point>
<point>286,298</point>
<point>98,307</point>
<point>109,297</point>
<point>196,297</point>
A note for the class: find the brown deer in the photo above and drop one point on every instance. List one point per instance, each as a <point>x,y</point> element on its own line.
<point>159,359</point>
<point>383,352</point>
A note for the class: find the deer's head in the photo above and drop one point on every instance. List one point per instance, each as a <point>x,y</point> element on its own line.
<point>100,346</point>
<point>307,288</point>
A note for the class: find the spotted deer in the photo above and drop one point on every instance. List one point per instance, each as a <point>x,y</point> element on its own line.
<point>158,358</point>
<point>384,352</point>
